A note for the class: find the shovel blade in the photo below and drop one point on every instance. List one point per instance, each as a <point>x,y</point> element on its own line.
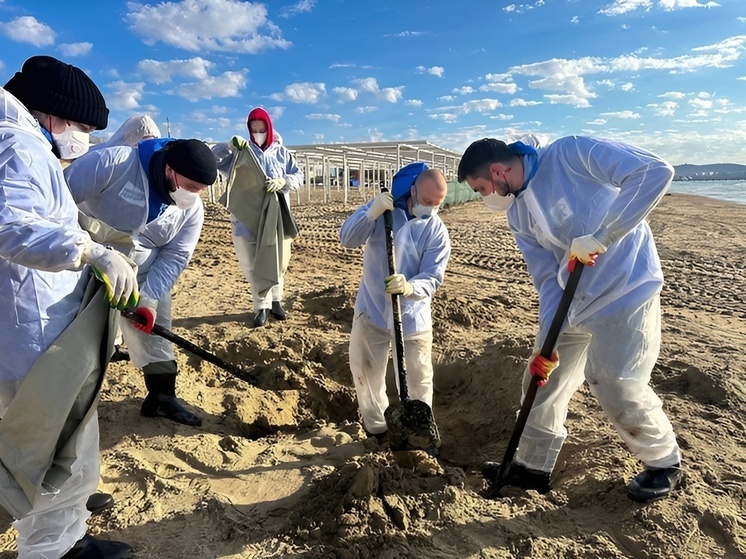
<point>411,426</point>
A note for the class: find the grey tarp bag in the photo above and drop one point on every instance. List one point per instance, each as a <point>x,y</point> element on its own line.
<point>39,430</point>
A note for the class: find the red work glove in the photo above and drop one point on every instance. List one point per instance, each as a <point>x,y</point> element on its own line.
<point>146,312</point>
<point>541,367</point>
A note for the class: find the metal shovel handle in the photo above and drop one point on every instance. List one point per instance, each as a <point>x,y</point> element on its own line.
<point>388,222</point>
<point>546,351</point>
<point>196,350</point>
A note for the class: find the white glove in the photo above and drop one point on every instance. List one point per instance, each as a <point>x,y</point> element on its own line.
<point>397,283</point>
<point>384,201</point>
<point>586,249</point>
<point>273,185</point>
<point>117,272</point>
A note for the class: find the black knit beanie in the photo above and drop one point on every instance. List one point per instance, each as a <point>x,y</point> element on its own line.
<point>45,84</point>
<point>192,159</point>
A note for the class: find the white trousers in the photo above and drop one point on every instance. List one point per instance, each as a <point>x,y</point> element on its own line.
<point>246,253</point>
<point>369,357</point>
<point>143,348</point>
<point>615,354</point>
<point>58,520</point>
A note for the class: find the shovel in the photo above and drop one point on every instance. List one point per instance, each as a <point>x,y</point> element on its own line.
<point>576,268</point>
<point>196,350</point>
<point>410,422</point>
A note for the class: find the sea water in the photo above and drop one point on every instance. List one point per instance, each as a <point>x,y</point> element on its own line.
<point>732,191</point>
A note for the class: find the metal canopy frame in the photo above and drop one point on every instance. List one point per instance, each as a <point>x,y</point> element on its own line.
<point>378,161</point>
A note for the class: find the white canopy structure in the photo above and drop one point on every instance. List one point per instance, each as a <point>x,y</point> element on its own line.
<point>368,163</point>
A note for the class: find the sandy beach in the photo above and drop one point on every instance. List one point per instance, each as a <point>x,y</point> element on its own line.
<point>282,468</point>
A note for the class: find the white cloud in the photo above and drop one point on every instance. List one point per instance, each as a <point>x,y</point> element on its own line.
<point>672,95</point>
<point>227,84</point>
<point>523,103</point>
<point>621,7</point>
<point>597,122</point>
<point>567,100</point>
<point>413,102</point>
<point>206,25</point>
<point>465,90</point>
<point>324,116</point>
<point>27,29</point>
<point>76,49</point>
<point>406,34</point>
<point>303,92</point>
<point>667,108</point>
<point>345,93</point>
<point>700,103</point>
<point>627,87</point>
<point>389,94</point>
<point>365,110</point>
<point>621,114</point>
<point>124,95</point>
<point>497,87</point>
<point>480,105</point>
<point>437,71</point>
<point>445,117</point>
<point>300,7</point>
<point>163,72</point>
<point>446,98</point>
<point>392,94</point>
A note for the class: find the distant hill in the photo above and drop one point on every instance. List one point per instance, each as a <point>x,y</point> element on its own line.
<point>716,171</point>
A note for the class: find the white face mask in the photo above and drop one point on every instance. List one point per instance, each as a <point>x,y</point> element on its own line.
<point>72,143</point>
<point>259,138</point>
<point>184,199</point>
<point>422,211</point>
<point>498,203</point>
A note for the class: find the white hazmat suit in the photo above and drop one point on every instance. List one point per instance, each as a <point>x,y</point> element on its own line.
<point>611,339</point>
<point>422,248</point>
<point>41,290</point>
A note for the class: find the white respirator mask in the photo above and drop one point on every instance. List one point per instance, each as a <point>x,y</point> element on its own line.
<point>498,203</point>
<point>259,138</point>
<point>422,211</point>
<point>72,143</point>
<point>184,199</point>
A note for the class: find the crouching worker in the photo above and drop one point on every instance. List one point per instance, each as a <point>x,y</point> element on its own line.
<point>56,327</point>
<point>422,248</point>
<point>150,192</point>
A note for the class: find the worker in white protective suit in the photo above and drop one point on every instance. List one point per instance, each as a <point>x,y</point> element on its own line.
<point>54,320</point>
<point>586,198</point>
<point>282,177</point>
<point>422,248</point>
<point>132,131</point>
<point>151,192</point>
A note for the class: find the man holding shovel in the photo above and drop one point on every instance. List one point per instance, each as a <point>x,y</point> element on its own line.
<point>585,198</point>
<point>422,248</point>
<point>150,196</point>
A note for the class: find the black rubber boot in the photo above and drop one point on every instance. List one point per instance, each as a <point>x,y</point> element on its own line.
<point>89,547</point>
<point>260,318</point>
<point>99,502</point>
<point>519,476</point>
<point>653,484</point>
<point>161,400</point>
<point>277,311</point>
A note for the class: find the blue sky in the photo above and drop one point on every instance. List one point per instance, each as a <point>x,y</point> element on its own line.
<point>669,75</point>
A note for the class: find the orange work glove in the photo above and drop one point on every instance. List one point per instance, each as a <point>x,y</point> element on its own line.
<point>541,367</point>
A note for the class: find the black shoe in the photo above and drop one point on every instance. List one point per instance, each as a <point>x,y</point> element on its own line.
<point>260,318</point>
<point>380,437</point>
<point>99,502</point>
<point>89,547</point>
<point>120,354</point>
<point>653,483</point>
<point>277,311</point>
<point>162,405</point>
<point>519,476</point>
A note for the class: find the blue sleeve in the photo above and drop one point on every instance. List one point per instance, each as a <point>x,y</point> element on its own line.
<point>432,265</point>
<point>293,174</point>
